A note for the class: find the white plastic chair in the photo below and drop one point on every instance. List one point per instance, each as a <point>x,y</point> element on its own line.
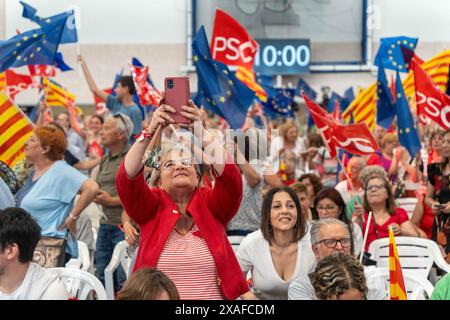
<point>415,254</point>
<point>235,241</point>
<point>417,287</point>
<point>119,257</point>
<point>409,204</point>
<point>79,284</point>
<point>83,261</point>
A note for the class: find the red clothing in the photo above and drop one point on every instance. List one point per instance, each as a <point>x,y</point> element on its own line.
<point>400,215</point>
<point>211,209</point>
<point>427,219</point>
<point>187,261</point>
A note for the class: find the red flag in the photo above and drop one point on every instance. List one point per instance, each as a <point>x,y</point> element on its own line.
<point>100,104</point>
<point>148,95</point>
<point>41,70</point>
<point>230,42</point>
<point>353,138</point>
<point>430,100</point>
<point>337,110</point>
<point>16,83</point>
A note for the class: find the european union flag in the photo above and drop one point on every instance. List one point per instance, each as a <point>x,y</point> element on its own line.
<point>266,82</point>
<point>310,92</point>
<point>407,133</point>
<point>385,104</point>
<point>223,93</point>
<point>37,46</point>
<point>390,54</point>
<point>332,102</point>
<point>69,34</point>
<point>281,104</point>
<point>349,96</point>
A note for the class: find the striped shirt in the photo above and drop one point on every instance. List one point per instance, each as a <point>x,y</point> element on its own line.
<point>187,261</point>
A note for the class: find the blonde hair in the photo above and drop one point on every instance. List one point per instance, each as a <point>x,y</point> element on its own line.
<point>388,138</point>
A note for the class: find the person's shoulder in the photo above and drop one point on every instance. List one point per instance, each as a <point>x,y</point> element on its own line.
<point>254,238</point>
<point>47,283</point>
<point>400,211</point>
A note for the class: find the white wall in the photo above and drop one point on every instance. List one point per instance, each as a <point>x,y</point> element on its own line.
<point>111,21</point>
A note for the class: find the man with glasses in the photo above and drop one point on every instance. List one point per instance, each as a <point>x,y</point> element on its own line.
<point>329,236</point>
<point>114,136</point>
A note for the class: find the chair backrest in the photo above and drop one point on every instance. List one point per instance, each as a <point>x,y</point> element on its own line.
<point>409,204</point>
<point>83,261</point>
<point>79,284</point>
<point>417,287</point>
<point>235,241</point>
<point>416,254</point>
<point>119,257</point>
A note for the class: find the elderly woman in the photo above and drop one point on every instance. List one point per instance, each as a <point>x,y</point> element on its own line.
<point>281,250</point>
<point>339,277</point>
<point>329,203</point>
<point>379,199</point>
<point>183,226</point>
<point>49,191</point>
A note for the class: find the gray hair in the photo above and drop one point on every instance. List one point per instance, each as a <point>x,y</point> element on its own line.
<point>123,123</point>
<point>317,224</point>
<point>372,171</point>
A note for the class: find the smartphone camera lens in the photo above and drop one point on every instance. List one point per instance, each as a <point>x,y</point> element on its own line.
<point>170,84</point>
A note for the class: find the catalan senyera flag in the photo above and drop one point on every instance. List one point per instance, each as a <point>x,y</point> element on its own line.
<point>437,68</point>
<point>15,129</point>
<point>247,76</point>
<point>397,290</point>
<point>363,108</point>
<point>56,95</point>
<point>2,81</point>
<point>364,105</point>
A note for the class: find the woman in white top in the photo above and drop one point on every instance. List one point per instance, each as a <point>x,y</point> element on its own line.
<point>328,203</point>
<point>281,250</point>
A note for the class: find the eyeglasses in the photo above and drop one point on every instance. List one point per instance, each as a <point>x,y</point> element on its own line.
<point>118,115</point>
<point>327,208</point>
<point>375,187</point>
<point>170,164</point>
<point>332,243</point>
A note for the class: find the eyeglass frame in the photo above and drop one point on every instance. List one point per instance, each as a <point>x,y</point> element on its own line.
<point>336,242</point>
<point>327,209</point>
<point>376,186</point>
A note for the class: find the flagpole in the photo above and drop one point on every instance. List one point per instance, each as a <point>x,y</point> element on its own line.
<point>80,72</point>
<point>345,173</point>
<point>366,232</point>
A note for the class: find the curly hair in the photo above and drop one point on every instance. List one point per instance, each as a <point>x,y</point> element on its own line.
<point>370,171</point>
<point>54,139</point>
<point>336,274</point>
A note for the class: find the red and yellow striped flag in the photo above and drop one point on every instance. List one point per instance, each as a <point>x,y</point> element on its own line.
<point>363,108</point>
<point>15,129</point>
<point>2,82</point>
<point>56,95</point>
<point>248,77</point>
<point>397,289</point>
<point>437,68</point>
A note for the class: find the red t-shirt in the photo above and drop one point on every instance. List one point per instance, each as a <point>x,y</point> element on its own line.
<point>400,215</point>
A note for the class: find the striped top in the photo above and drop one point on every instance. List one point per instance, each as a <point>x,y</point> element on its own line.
<point>187,261</point>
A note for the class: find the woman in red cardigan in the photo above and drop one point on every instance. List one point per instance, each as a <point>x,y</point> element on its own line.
<point>183,226</point>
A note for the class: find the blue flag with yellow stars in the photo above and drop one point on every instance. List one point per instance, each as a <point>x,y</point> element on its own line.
<point>219,89</point>
<point>407,133</point>
<point>38,46</point>
<point>280,105</point>
<point>69,34</point>
<point>385,104</point>
<point>390,54</point>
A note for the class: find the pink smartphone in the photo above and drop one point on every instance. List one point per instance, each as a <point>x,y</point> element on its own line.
<point>177,94</point>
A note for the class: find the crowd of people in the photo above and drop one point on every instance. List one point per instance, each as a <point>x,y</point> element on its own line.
<point>300,218</point>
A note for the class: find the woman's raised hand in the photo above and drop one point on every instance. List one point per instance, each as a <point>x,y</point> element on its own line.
<point>161,117</point>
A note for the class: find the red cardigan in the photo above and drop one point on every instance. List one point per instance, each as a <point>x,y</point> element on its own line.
<point>211,209</point>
